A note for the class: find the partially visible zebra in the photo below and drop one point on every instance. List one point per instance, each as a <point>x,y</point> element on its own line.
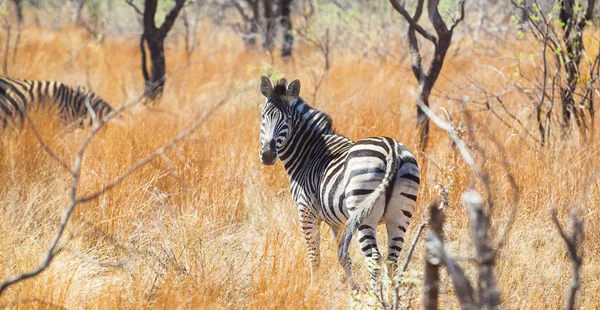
<point>336,180</point>
<point>17,97</point>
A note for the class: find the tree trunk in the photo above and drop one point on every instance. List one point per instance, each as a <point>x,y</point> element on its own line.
<point>250,23</point>
<point>19,10</point>
<point>286,26</point>
<point>573,38</point>
<point>426,83</point>
<point>268,41</point>
<point>253,21</point>
<point>154,38</point>
<point>441,43</point>
<point>422,118</point>
<point>78,17</point>
<point>155,83</point>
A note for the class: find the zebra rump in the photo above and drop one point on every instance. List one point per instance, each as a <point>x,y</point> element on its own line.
<point>367,205</point>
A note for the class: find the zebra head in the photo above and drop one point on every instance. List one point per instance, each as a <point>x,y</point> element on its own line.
<point>277,122</point>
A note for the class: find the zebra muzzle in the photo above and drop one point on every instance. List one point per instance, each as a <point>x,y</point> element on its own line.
<point>268,154</point>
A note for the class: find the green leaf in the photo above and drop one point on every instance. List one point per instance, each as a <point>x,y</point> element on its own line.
<point>3,9</point>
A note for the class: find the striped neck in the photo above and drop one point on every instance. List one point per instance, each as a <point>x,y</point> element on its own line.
<point>306,143</point>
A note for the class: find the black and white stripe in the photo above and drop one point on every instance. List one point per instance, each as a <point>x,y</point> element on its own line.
<point>333,179</point>
<point>17,96</point>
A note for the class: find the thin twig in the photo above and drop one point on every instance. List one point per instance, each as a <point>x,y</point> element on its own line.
<point>46,147</point>
<point>413,245</point>
<point>574,244</point>
<point>130,2</point>
<point>400,9</point>
<point>453,135</point>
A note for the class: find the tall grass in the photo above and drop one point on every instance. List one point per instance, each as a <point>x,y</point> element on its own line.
<point>222,232</point>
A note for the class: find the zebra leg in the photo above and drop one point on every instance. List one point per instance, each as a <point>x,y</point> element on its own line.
<point>310,228</point>
<point>346,263</point>
<point>399,210</point>
<point>395,230</point>
<point>368,245</point>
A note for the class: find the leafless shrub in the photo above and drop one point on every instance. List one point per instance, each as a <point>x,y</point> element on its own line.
<point>563,78</point>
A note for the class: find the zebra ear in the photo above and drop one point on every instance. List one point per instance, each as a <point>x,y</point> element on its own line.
<point>266,87</point>
<point>293,90</point>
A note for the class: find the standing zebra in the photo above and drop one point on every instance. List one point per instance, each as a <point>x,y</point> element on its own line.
<point>17,96</point>
<point>336,180</point>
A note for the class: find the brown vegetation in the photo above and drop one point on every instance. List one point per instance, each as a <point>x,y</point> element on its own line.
<point>211,227</point>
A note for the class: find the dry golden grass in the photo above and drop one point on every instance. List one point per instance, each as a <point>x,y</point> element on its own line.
<point>224,233</point>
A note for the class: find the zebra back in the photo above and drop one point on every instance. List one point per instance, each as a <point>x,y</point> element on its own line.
<point>17,96</point>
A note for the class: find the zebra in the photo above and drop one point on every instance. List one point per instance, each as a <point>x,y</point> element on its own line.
<point>336,180</point>
<point>17,96</point>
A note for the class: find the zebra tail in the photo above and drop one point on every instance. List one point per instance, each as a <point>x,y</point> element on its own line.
<point>367,206</point>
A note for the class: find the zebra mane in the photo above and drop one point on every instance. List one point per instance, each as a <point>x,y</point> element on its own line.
<point>307,113</point>
<point>280,87</point>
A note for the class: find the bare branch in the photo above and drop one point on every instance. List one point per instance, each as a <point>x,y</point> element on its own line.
<point>489,295</point>
<point>170,19</point>
<point>461,15</point>
<point>413,23</point>
<point>454,136</point>
<point>462,286</point>
<point>413,245</point>
<point>240,9</point>
<point>24,276</point>
<point>46,147</point>
<point>130,2</point>
<point>436,19</point>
